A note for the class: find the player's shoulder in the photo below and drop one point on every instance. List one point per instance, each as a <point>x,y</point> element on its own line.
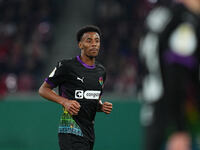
<point>158,18</point>
<point>66,62</point>
<point>178,8</point>
<point>100,66</point>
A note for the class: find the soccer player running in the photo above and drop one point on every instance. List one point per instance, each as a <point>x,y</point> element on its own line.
<point>80,81</point>
<point>170,50</point>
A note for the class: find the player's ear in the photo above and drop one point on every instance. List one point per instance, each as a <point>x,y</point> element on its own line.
<point>80,45</point>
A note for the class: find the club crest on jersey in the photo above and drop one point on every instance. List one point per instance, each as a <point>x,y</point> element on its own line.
<point>101,80</point>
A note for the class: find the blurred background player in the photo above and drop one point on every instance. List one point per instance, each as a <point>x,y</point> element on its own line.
<point>80,81</point>
<point>170,87</point>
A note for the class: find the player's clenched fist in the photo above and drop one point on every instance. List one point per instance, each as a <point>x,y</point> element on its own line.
<point>106,107</point>
<point>72,106</point>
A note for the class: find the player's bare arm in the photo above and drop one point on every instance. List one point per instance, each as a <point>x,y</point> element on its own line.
<point>71,106</point>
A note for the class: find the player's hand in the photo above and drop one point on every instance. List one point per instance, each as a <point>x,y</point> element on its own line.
<point>71,106</point>
<point>106,107</point>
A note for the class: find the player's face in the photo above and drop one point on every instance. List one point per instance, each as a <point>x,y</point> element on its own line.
<point>90,44</point>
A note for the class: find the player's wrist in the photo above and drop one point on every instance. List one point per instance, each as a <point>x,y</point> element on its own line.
<point>64,102</point>
<point>99,107</point>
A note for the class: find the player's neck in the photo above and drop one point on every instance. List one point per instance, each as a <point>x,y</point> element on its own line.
<point>87,60</point>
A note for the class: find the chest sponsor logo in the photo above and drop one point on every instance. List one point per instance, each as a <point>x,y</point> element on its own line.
<point>89,94</point>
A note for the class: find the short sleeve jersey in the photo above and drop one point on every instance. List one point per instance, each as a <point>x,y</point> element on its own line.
<point>78,81</point>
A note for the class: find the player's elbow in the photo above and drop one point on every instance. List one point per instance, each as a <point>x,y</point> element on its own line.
<point>44,90</point>
<point>41,91</point>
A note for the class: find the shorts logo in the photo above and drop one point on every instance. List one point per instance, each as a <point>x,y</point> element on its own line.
<point>89,94</point>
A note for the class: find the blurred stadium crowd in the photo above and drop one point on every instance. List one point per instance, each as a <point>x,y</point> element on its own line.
<point>26,37</point>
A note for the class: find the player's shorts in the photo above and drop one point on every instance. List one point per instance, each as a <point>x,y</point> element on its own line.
<point>74,142</point>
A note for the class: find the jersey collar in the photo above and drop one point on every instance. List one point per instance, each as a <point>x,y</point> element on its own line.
<point>84,64</point>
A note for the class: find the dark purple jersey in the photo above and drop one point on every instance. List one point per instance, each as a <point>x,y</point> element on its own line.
<point>78,81</point>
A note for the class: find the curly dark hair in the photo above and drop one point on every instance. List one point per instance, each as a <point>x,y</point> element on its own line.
<point>85,29</point>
